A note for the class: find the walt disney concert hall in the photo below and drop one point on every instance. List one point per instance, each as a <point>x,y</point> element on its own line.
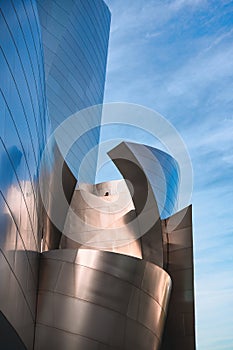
<point>83,266</point>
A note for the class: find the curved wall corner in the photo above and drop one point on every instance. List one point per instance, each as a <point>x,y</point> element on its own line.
<point>54,208</point>
<point>131,163</point>
<point>92,299</point>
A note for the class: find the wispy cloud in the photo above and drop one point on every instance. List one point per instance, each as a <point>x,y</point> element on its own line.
<point>150,35</point>
<point>199,72</point>
<point>175,56</point>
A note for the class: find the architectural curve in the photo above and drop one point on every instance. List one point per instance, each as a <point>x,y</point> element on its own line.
<point>24,130</point>
<point>160,169</point>
<point>145,168</point>
<point>90,299</point>
<point>75,36</point>
<point>53,60</point>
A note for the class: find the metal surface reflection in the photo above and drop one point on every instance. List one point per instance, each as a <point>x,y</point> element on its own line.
<point>115,255</point>
<point>24,123</point>
<point>25,92</point>
<point>180,327</point>
<point>115,293</point>
<point>102,297</point>
<point>103,219</point>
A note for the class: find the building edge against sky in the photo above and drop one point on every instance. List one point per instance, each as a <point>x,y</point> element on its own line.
<point>53,64</point>
<point>75,36</point>
<point>33,61</point>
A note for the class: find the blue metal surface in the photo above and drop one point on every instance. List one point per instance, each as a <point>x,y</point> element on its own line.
<point>170,187</point>
<point>23,131</point>
<point>75,37</point>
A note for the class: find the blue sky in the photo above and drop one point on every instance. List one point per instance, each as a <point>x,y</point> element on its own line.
<point>176,57</point>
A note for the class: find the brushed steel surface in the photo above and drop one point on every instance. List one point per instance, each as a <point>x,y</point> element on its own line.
<point>102,219</point>
<point>75,37</point>
<point>22,137</point>
<point>126,157</point>
<point>161,170</point>
<point>56,213</point>
<point>87,299</point>
<point>59,339</point>
<point>101,296</point>
<point>180,325</point>
<point>139,337</point>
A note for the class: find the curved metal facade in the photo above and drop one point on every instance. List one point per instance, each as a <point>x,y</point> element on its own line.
<point>87,298</point>
<point>101,221</point>
<point>99,300</point>
<point>25,92</point>
<point>75,37</point>
<point>161,171</point>
<point>23,133</point>
<point>167,185</point>
<point>180,326</point>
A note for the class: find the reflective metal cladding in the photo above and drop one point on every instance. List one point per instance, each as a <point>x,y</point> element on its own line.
<point>50,68</point>
<point>91,298</point>
<point>116,272</point>
<point>75,39</point>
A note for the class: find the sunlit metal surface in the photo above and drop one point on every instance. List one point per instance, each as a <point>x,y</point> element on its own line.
<point>88,298</point>
<point>24,130</point>
<point>173,244</point>
<point>125,157</point>
<point>102,211</point>
<point>160,169</point>
<point>100,298</point>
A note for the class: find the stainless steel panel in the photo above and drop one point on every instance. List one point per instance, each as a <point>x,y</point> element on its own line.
<point>54,215</point>
<point>151,314</point>
<point>102,222</point>
<point>180,220</point>
<point>84,294</point>
<point>188,324</point>
<point>134,302</point>
<point>181,259</point>
<point>24,132</point>
<point>118,265</point>
<point>157,284</point>
<point>67,255</point>
<point>81,317</point>
<point>161,171</point>
<point>45,308</point>
<point>84,283</point>
<point>49,273</point>
<point>180,325</point>
<point>106,347</point>
<point>181,238</point>
<point>53,338</point>
<point>125,156</point>
<point>23,113</point>
<point>139,337</point>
